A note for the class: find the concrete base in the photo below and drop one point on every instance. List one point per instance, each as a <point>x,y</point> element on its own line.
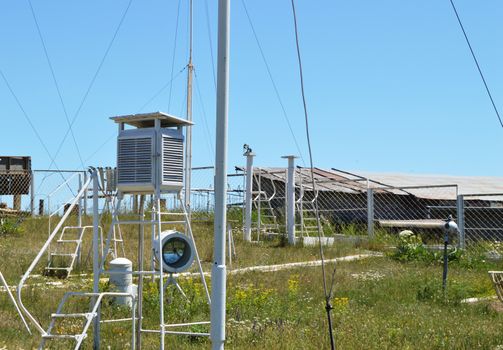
<point>314,241</point>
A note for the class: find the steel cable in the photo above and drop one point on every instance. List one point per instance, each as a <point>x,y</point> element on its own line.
<point>476,63</point>
<point>278,96</point>
<point>56,82</point>
<point>328,294</point>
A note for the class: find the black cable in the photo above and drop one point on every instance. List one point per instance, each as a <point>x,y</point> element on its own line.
<point>285,115</point>
<point>328,295</point>
<point>154,96</point>
<point>55,82</point>
<point>28,119</point>
<point>173,56</point>
<point>476,63</point>
<point>91,84</point>
<point>100,147</point>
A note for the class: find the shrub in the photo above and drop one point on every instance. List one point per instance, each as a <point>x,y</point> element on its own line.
<point>410,247</point>
<point>9,227</point>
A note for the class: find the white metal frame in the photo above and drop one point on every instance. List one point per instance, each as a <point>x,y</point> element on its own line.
<point>7,288</point>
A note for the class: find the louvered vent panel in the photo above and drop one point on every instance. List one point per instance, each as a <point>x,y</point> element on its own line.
<point>172,166</point>
<point>135,160</point>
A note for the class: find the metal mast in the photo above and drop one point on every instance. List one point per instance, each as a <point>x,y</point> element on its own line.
<point>188,141</point>
<point>218,272</point>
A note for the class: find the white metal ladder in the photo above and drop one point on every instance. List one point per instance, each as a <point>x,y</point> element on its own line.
<point>87,317</point>
<point>259,198</point>
<point>114,236</point>
<point>67,251</point>
<point>307,213</point>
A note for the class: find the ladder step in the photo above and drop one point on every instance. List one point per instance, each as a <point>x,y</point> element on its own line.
<point>63,336</point>
<point>134,222</point>
<point>63,254</point>
<point>57,268</point>
<point>75,315</point>
<point>68,241</point>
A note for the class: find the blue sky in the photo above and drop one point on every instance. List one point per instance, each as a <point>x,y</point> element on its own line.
<point>391,86</point>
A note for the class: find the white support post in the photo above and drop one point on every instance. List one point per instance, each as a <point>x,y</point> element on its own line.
<point>85,195</point>
<point>141,249</point>
<point>248,196</point>
<point>290,199</point>
<point>96,257</point>
<point>79,222</point>
<point>161,270</point>
<point>218,271</point>
<point>460,208</point>
<point>301,207</point>
<point>370,212</point>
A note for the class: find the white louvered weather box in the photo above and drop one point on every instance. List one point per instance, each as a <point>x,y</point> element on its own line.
<point>150,152</point>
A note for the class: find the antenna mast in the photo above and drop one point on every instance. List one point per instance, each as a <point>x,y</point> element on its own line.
<point>188,140</point>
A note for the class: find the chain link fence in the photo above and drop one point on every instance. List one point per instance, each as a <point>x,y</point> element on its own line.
<point>420,209</point>
<point>349,204</point>
<point>25,193</point>
<point>356,206</point>
<point>481,223</point>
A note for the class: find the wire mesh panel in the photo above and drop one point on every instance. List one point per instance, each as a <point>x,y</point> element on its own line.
<point>342,204</point>
<point>268,200</point>
<point>421,209</point>
<point>483,223</point>
<point>15,193</point>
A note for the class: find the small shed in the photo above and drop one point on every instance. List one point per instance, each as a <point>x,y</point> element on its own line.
<point>15,175</point>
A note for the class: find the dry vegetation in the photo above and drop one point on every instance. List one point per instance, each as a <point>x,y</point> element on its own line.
<point>379,302</point>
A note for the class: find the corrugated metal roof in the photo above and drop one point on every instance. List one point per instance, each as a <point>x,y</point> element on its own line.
<point>465,184</point>
<point>441,187</point>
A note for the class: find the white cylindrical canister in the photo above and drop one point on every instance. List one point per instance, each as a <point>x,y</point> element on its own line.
<point>121,280</point>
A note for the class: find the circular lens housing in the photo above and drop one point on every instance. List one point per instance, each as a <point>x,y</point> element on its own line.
<point>177,251</point>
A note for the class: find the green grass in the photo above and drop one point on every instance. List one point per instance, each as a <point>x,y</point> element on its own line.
<point>379,303</point>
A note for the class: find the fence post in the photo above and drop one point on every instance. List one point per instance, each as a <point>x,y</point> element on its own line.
<point>370,212</point>
<point>32,194</point>
<point>460,209</point>
<point>290,196</point>
<point>41,207</point>
<point>249,195</point>
<point>79,222</point>
<point>85,195</point>
<point>96,258</point>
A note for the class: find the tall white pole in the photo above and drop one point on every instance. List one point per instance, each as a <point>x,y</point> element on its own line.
<point>248,196</point>
<point>96,259</point>
<point>290,197</point>
<point>218,272</point>
<point>188,140</point>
